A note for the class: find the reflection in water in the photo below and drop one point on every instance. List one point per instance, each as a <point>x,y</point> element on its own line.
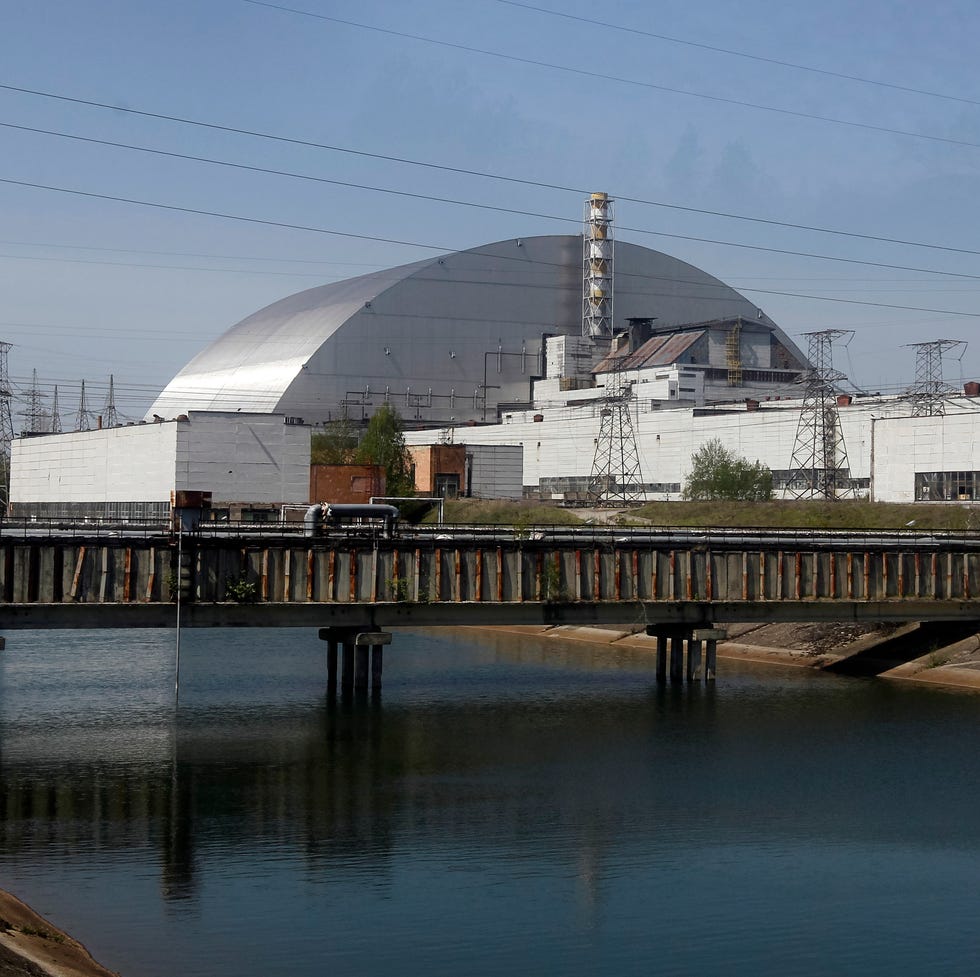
<point>494,783</point>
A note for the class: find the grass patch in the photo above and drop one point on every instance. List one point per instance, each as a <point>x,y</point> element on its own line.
<point>43,933</point>
<point>844,514</point>
<point>491,512</point>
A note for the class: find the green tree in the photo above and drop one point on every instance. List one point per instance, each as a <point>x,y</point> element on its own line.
<point>718,473</point>
<point>336,444</point>
<point>384,444</point>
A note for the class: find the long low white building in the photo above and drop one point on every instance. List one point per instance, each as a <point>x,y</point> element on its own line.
<point>891,456</point>
<point>133,472</point>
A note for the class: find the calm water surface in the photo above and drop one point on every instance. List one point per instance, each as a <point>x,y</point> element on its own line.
<point>507,806</point>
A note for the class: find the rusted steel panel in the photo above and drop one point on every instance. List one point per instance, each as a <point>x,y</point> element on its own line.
<point>655,576</point>
<point>310,564</point>
<point>709,577</point>
<point>949,575</point>
<point>478,588</point>
<point>152,575</point>
<point>635,582</point>
<point>438,574</point>
<point>850,576</point>
<point>833,575</point>
<point>596,575</point>
<point>456,575</point>
<point>287,566</point>
<point>745,576</point>
<point>672,560</point>
<point>618,574</point>
<point>500,575</point>
<point>127,574</point>
<point>578,574</point>
<point>352,577</point>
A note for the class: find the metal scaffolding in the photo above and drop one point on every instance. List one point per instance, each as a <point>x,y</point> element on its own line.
<point>597,267</point>
<point>928,393</point>
<point>819,468</point>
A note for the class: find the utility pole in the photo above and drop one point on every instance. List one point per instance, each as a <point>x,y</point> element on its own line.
<point>929,391</point>
<point>819,468</point>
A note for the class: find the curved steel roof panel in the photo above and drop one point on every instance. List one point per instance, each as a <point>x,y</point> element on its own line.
<point>442,339</point>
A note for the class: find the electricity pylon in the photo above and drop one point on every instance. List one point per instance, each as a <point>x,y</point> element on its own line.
<point>819,468</point>
<point>929,391</point>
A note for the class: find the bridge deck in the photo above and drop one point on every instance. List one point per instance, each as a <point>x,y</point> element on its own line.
<point>72,582</point>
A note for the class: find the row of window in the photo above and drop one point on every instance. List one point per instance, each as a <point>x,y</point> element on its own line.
<point>947,486</point>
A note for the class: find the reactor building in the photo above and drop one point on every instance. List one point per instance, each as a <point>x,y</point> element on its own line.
<point>463,337</point>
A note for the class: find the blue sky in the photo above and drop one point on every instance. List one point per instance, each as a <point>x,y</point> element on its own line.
<point>93,286</point>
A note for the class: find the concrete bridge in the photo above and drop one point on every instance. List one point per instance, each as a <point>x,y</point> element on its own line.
<point>675,583</point>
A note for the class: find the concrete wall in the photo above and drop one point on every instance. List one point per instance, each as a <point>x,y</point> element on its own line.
<point>496,471</point>
<point>121,464</point>
<point>254,457</point>
<point>234,456</point>
<point>906,445</point>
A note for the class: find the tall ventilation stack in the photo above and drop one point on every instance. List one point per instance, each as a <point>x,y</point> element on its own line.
<point>597,267</point>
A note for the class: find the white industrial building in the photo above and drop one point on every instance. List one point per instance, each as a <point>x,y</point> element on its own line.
<point>134,472</point>
<point>891,456</point>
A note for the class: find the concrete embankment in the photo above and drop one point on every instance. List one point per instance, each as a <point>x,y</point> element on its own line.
<point>932,654</point>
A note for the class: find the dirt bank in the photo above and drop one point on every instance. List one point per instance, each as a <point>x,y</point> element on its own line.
<point>30,946</point>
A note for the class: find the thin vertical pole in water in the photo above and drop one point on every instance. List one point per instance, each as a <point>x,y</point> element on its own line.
<point>180,554</point>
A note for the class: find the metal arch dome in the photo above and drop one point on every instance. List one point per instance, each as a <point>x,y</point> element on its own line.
<point>437,338</point>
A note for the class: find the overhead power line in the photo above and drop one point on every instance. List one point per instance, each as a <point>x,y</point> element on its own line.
<point>490,207</point>
<point>445,248</point>
<point>618,79</point>
<point>813,69</point>
<point>459,170</point>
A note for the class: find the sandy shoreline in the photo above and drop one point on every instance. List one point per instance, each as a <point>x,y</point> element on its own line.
<point>31,946</point>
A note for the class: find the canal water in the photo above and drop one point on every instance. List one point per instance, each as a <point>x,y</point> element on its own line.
<point>509,805</point>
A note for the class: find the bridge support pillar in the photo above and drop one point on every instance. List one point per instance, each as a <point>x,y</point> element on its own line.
<point>661,657</point>
<point>711,664</point>
<point>347,668</point>
<point>676,658</point>
<point>362,658</point>
<point>332,663</point>
<point>693,659</point>
<point>361,667</point>
<point>710,637</point>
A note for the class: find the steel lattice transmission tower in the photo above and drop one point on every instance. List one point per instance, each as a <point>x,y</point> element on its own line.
<point>111,418</point>
<point>55,425</point>
<point>6,429</point>
<point>81,418</point>
<point>929,391</point>
<point>616,478</point>
<point>819,468</point>
<point>35,415</point>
